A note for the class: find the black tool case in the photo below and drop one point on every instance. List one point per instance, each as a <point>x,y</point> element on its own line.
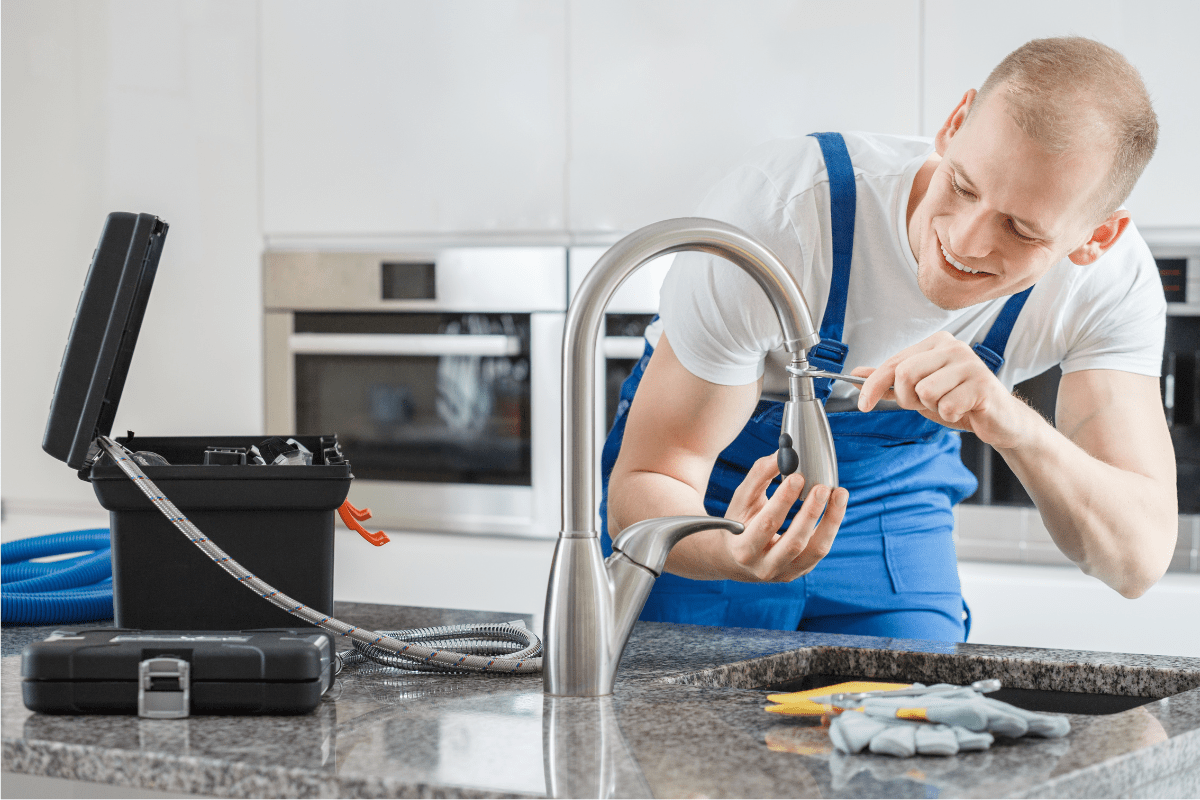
<point>173,674</point>
<point>276,520</point>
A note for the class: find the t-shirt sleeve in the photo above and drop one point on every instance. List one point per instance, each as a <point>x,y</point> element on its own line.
<point>1122,324</point>
<point>719,322</point>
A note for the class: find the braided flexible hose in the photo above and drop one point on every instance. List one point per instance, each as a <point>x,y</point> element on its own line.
<point>409,653</point>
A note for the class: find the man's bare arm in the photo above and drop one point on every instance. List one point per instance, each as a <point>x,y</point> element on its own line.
<point>677,425</point>
<point>1104,482</point>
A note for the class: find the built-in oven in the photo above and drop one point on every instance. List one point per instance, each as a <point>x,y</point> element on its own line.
<point>438,370</point>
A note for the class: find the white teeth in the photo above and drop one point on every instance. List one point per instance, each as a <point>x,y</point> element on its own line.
<point>958,266</point>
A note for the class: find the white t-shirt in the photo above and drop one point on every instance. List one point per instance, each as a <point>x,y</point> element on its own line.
<point>1107,315</point>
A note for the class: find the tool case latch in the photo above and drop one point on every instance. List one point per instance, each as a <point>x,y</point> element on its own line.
<point>163,688</point>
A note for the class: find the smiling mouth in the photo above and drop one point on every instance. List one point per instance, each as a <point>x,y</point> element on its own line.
<point>960,268</point>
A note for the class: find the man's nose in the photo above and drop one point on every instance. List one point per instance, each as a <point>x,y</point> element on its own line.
<point>971,235</point>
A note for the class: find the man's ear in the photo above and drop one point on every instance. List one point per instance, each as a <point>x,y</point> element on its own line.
<point>1103,237</point>
<point>953,123</point>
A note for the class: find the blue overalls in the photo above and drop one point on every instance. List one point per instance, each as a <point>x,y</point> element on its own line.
<point>892,569</point>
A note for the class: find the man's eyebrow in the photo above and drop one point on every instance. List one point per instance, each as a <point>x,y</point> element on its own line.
<point>962,178</point>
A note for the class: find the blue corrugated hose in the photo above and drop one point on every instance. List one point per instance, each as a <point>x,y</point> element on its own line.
<point>71,590</point>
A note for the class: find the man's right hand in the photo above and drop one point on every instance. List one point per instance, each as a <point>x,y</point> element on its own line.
<point>761,552</point>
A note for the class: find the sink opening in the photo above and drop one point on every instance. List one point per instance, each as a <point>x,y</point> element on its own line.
<point>1039,700</point>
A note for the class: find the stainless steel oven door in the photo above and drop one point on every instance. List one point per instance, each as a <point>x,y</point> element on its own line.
<point>439,371</point>
<point>451,431</point>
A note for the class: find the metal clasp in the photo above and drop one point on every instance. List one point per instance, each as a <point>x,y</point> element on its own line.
<point>164,688</point>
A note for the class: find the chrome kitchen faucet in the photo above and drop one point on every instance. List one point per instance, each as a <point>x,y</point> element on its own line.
<point>591,603</point>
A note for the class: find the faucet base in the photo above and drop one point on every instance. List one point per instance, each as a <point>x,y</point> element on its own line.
<point>578,622</point>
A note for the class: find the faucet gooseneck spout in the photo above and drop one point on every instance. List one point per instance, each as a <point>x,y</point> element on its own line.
<point>591,605</point>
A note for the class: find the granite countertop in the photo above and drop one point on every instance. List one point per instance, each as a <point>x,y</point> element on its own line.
<point>685,721</point>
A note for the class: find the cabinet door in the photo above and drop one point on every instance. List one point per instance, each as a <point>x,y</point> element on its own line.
<point>412,117</point>
<point>964,41</point>
<point>666,96</point>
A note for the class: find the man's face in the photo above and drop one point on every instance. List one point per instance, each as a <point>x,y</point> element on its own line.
<point>1000,205</point>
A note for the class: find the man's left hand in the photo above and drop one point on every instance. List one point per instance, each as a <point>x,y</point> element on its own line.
<point>943,379</point>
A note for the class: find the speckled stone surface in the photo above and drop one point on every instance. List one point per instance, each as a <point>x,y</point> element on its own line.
<point>686,720</point>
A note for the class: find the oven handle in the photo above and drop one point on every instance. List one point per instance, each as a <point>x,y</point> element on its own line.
<point>404,344</point>
<point>627,347</point>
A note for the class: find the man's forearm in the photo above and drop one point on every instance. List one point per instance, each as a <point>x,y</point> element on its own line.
<point>1117,525</point>
<point>638,496</point>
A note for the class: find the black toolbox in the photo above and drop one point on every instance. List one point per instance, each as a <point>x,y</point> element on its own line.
<point>276,520</point>
<point>173,674</point>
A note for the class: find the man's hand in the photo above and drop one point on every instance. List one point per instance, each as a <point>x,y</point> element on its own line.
<point>677,426</point>
<point>1103,481</point>
<point>943,379</point>
<point>765,555</point>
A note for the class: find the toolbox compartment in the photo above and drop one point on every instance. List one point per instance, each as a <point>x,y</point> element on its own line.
<point>276,520</point>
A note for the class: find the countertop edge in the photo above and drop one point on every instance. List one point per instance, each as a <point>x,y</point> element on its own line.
<point>209,776</point>
<point>1122,775</point>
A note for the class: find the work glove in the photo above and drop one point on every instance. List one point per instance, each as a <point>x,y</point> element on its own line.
<point>851,731</point>
<point>971,710</point>
<point>937,724</point>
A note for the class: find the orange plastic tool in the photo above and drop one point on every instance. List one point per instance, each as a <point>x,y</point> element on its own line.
<point>351,516</point>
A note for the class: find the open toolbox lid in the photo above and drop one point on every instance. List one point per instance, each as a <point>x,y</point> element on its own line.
<point>100,347</point>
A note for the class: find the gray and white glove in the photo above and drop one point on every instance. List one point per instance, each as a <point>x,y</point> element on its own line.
<point>937,724</point>
<point>852,731</point>
<point>974,712</point>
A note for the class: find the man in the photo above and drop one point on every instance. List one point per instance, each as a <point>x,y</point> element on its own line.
<point>946,277</point>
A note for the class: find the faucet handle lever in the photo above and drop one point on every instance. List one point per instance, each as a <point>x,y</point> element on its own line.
<point>647,543</point>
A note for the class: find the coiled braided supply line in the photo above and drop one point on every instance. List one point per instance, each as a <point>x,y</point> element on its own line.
<point>410,652</point>
<point>511,640</point>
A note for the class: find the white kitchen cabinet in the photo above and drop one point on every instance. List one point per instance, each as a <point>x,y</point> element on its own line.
<point>667,96</point>
<point>1046,606</point>
<point>412,117</point>
<point>965,40</point>
<point>440,570</point>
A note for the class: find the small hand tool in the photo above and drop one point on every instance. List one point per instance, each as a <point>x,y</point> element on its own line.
<point>813,372</point>
<point>853,699</point>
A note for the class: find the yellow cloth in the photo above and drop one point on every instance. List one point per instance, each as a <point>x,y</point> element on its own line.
<point>799,704</point>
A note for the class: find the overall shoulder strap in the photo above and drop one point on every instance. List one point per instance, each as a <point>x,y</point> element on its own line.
<point>991,349</point>
<point>843,200</point>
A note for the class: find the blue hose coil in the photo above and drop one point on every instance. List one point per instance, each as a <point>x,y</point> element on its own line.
<point>71,590</point>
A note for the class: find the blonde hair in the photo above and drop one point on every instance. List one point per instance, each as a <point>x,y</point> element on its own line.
<point>1070,89</point>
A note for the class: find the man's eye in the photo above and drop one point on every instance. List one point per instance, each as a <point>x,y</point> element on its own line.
<point>1013,229</point>
<point>958,190</point>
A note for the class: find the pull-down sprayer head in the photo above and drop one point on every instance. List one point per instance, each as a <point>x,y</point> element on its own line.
<point>805,441</point>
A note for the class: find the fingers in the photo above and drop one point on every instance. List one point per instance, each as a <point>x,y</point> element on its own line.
<point>916,369</point>
<point>878,384</point>
<point>811,534</point>
<point>885,376</point>
<point>950,404</point>
<point>749,549</point>
<point>750,496</point>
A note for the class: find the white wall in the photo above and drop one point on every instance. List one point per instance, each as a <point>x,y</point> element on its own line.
<point>243,120</point>
<point>571,119</point>
<point>382,117</point>
<point>665,97</point>
<point>130,106</point>
<point>966,39</point>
